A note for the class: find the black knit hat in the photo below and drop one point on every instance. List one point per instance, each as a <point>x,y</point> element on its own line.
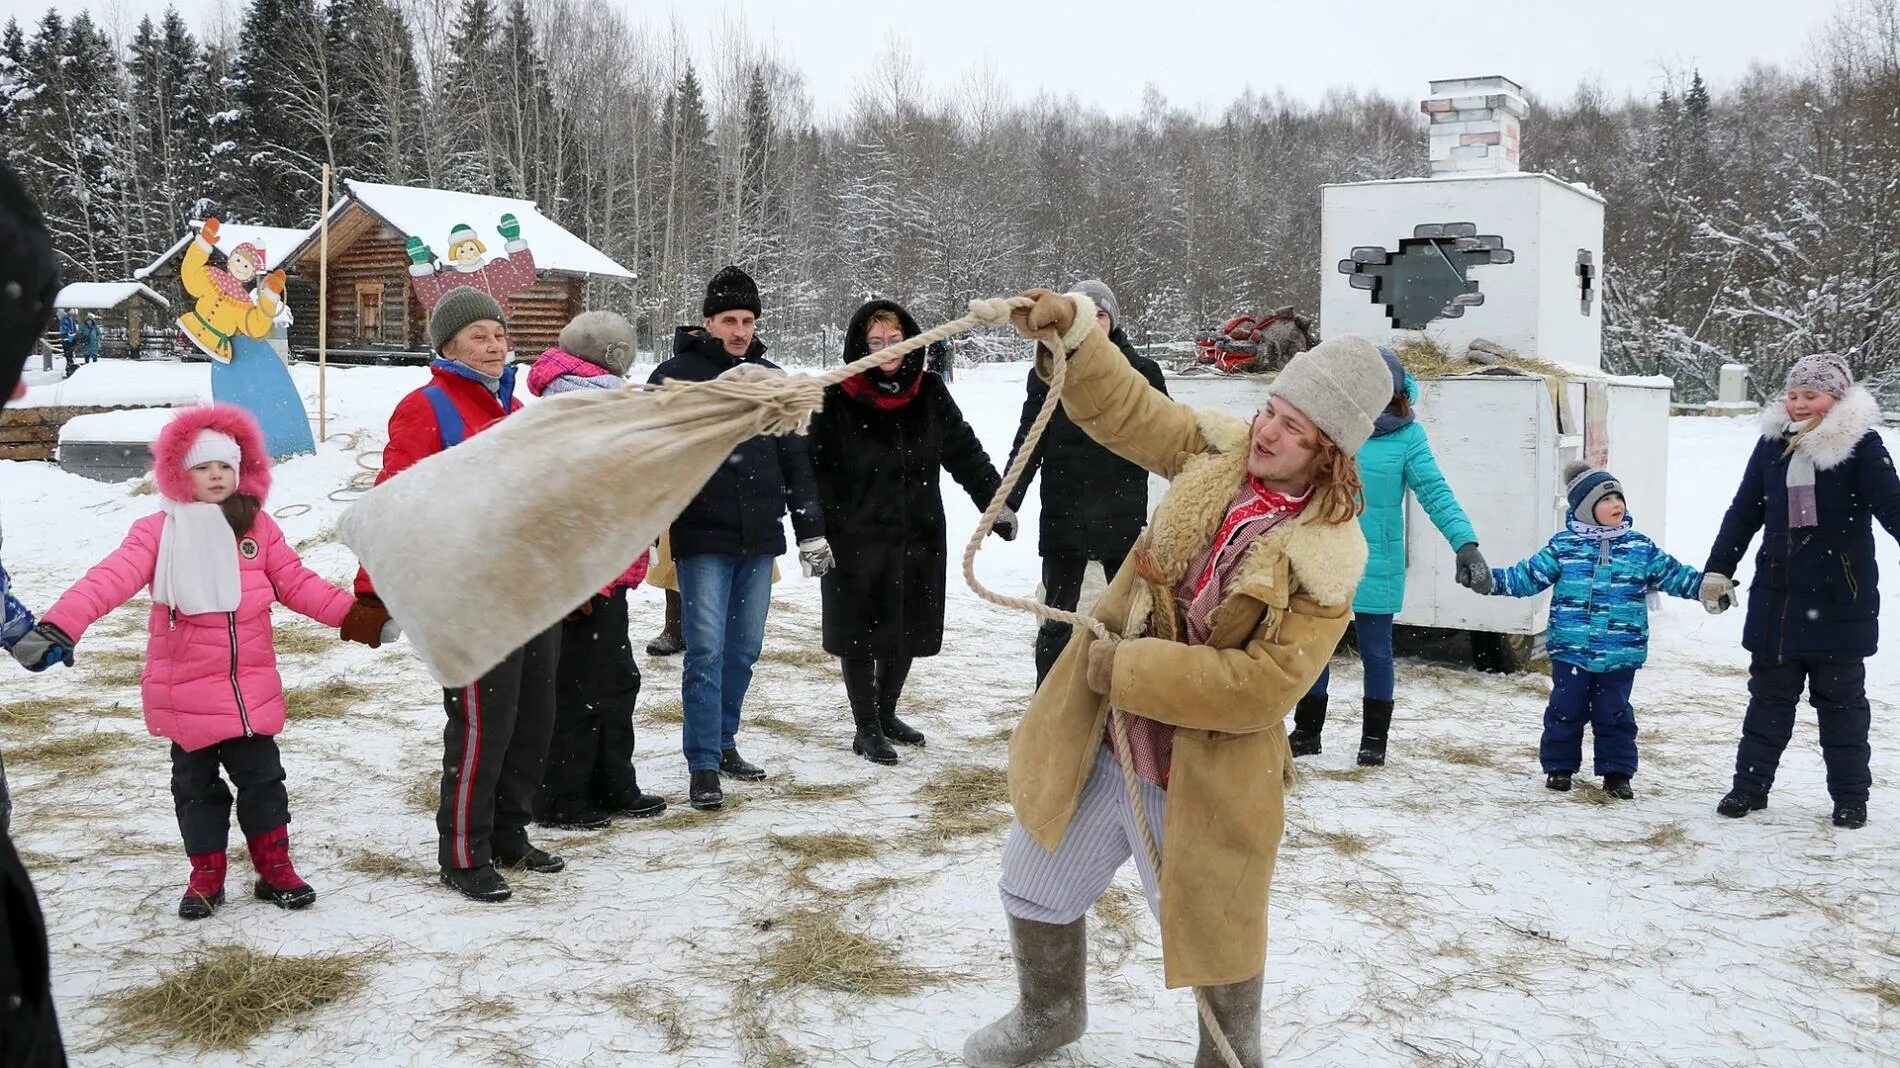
<point>29,280</point>
<point>731,289</point>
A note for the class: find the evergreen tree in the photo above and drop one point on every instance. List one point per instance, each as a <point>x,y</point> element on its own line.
<point>172,135</point>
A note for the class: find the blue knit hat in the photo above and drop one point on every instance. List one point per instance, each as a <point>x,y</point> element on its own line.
<point>1586,486</point>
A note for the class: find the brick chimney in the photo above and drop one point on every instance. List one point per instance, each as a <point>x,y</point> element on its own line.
<point>1475,125</point>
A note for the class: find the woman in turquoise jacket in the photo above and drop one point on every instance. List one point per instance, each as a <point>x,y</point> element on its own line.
<point>1397,459</point>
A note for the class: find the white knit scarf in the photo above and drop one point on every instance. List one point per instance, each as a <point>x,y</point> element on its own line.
<point>197,560</point>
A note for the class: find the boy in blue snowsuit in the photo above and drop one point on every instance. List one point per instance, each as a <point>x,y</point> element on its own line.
<point>1603,571</point>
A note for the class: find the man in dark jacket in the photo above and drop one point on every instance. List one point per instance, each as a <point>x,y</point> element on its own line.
<point>726,539</point>
<point>1094,503</point>
<point>29,1030</point>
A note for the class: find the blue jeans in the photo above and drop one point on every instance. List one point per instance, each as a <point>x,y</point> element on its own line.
<point>1375,652</point>
<point>723,600</point>
<point>1599,699</point>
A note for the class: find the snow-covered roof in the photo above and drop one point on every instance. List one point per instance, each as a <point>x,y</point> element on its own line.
<point>274,240</point>
<point>98,296</point>
<point>431,213</point>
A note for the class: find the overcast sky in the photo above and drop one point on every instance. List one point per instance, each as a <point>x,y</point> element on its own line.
<point>1203,53</point>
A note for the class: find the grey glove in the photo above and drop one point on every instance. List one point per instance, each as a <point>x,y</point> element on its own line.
<point>42,647</point>
<point>1473,573</point>
<point>1006,525</point>
<point>814,555</point>
<point>1717,594</point>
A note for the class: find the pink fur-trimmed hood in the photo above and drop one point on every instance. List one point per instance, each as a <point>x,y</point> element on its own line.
<point>174,443</point>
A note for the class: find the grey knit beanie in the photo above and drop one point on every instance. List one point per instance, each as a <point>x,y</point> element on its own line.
<point>1823,372</point>
<point>1585,487</point>
<point>1341,384</point>
<point>602,338</point>
<point>1103,297</point>
<point>458,308</point>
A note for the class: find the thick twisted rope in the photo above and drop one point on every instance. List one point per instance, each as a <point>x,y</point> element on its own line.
<point>785,406</point>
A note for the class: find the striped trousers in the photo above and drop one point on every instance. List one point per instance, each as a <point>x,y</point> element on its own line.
<point>1058,887</point>
<point>494,750</point>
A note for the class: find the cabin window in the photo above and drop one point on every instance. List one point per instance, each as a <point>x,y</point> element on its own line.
<point>369,310</point>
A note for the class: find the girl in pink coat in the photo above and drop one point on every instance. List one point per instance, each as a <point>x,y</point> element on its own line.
<point>216,562</point>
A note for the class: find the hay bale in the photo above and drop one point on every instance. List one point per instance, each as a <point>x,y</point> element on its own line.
<point>1426,357</point>
<point>225,996</point>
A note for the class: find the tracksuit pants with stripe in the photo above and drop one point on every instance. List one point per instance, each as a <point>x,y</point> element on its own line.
<point>494,749</point>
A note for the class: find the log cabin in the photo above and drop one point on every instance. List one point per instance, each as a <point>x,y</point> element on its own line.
<point>373,310</point>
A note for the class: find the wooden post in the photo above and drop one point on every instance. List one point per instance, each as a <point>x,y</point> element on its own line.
<point>323,311</point>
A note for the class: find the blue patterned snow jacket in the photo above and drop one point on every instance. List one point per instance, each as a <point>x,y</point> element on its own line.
<point>1599,615</point>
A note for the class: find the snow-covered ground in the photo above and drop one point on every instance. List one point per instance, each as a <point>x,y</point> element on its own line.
<point>1444,910</point>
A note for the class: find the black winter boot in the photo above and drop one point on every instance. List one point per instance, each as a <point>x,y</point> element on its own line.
<point>1618,786</point>
<point>586,818</point>
<point>860,688</point>
<point>1739,802</point>
<point>1850,815</point>
<point>890,686</point>
<point>705,793</point>
<point>669,642</point>
<point>477,884</point>
<point>1237,1009</point>
<point>639,805</point>
<point>1052,1009</point>
<point>1558,781</point>
<point>529,856</point>
<point>1309,719</point>
<point>736,766</point>
<point>1378,724</point>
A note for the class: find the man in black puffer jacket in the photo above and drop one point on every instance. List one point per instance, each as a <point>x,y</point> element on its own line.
<point>29,1030</point>
<point>1094,503</point>
<point>725,541</point>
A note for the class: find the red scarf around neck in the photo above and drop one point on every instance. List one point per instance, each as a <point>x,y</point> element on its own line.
<point>860,389</point>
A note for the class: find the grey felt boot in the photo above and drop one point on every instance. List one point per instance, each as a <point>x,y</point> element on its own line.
<point>1237,1007</point>
<point>1053,1010</point>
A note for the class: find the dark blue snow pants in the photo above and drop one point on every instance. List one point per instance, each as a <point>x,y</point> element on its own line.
<point>1600,700</point>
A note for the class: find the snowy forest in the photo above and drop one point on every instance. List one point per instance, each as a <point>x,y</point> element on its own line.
<point>1754,224</point>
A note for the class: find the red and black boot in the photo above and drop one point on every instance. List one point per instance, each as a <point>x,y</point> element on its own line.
<point>277,881</point>
<point>205,892</point>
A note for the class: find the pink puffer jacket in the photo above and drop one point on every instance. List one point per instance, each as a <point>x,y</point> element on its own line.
<point>213,676</point>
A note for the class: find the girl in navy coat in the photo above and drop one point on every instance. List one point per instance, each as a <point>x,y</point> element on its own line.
<point>1817,480</point>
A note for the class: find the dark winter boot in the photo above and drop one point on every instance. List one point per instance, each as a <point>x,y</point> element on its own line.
<point>669,642</point>
<point>477,884</point>
<point>1740,802</point>
<point>277,881</point>
<point>890,686</point>
<point>640,805</point>
<point>1558,781</point>
<point>1850,815</point>
<point>205,892</point>
<point>1618,786</point>
<point>705,793</point>
<point>586,818</point>
<point>1309,719</point>
<point>1052,1009</point>
<point>1378,723</point>
<point>870,742</point>
<point>525,854</point>
<point>1237,1009</point>
<point>731,763</point>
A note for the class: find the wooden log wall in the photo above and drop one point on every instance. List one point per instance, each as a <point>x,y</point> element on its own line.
<point>33,433</point>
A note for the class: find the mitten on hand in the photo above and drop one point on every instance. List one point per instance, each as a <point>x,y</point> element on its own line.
<point>1717,594</point>
<point>42,647</point>
<point>365,621</point>
<point>418,251</point>
<point>510,227</point>
<point>814,555</point>
<point>1006,525</point>
<point>1473,573</point>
